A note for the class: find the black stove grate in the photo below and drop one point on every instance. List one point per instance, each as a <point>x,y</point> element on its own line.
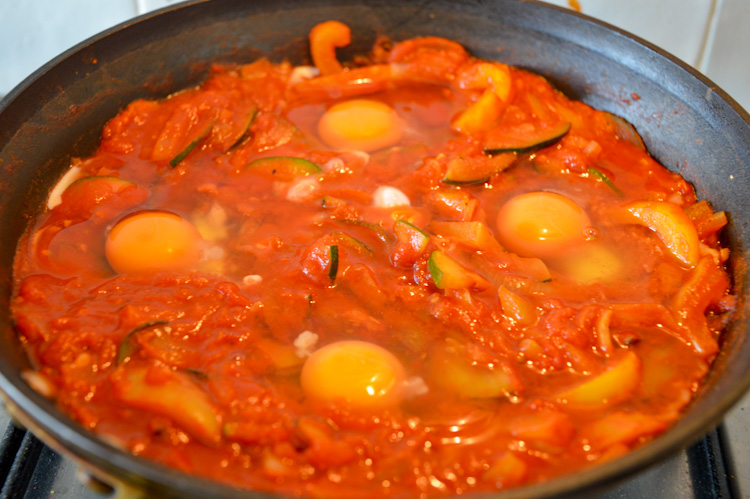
<point>31,470</point>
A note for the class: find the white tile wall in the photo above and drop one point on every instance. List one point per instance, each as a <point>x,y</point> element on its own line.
<point>709,34</point>
<point>678,26</point>
<point>727,59</point>
<point>34,31</point>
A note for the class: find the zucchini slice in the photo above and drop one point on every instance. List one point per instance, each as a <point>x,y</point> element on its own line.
<point>477,170</point>
<point>449,274</point>
<point>245,129</point>
<point>524,139</point>
<point>352,243</point>
<point>378,231</point>
<point>624,130</point>
<point>128,346</point>
<point>408,233</point>
<point>197,139</point>
<point>115,183</point>
<point>283,168</point>
<point>172,394</point>
<point>333,269</point>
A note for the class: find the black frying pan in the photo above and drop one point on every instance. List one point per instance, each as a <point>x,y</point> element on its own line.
<point>688,124</point>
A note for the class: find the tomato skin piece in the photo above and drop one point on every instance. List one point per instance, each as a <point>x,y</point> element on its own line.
<point>429,58</point>
<point>411,243</point>
<point>487,75</point>
<point>189,124</point>
<point>83,196</point>
<point>475,235</point>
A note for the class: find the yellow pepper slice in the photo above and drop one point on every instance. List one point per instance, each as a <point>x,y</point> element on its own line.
<point>608,388</point>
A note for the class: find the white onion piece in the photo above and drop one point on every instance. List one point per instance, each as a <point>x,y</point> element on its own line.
<point>55,197</point>
<point>389,197</point>
<point>39,382</point>
<point>304,344</point>
<point>303,189</point>
<point>414,387</point>
<point>252,280</point>
<point>361,156</point>
<point>333,164</point>
<point>302,73</point>
<point>213,253</point>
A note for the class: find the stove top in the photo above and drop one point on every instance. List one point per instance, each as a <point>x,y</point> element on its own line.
<point>31,470</point>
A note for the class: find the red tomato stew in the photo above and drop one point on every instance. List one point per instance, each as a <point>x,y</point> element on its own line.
<point>418,274</point>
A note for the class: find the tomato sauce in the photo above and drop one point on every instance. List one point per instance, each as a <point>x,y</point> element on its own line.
<point>420,275</point>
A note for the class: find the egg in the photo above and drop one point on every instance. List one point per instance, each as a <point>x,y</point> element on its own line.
<point>358,373</point>
<point>360,124</point>
<point>541,224</point>
<point>153,240</point>
<point>591,262</point>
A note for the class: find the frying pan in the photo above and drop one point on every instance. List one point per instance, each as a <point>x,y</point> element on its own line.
<point>687,123</point>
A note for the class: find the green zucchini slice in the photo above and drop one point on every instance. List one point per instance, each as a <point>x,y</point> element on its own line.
<point>477,170</point>
<point>197,139</point>
<point>352,243</point>
<point>376,229</point>
<point>128,346</point>
<point>245,130</point>
<point>624,130</point>
<point>408,233</point>
<point>333,269</point>
<point>449,274</point>
<point>524,140</point>
<point>283,168</point>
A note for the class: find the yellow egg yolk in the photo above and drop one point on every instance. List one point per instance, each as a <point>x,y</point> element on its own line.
<point>150,241</point>
<point>590,262</point>
<point>361,374</point>
<point>540,224</point>
<point>360,124</point>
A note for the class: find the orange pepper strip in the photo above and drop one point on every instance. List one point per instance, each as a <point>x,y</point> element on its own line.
<point>352,83</point>
<point>324,38</point>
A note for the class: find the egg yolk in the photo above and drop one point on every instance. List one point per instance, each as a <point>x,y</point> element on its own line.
<point>149,241</point>
<point>590,262</point>
<point>362,374</point>
<point>360,124</point>
<point>540,224</point>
